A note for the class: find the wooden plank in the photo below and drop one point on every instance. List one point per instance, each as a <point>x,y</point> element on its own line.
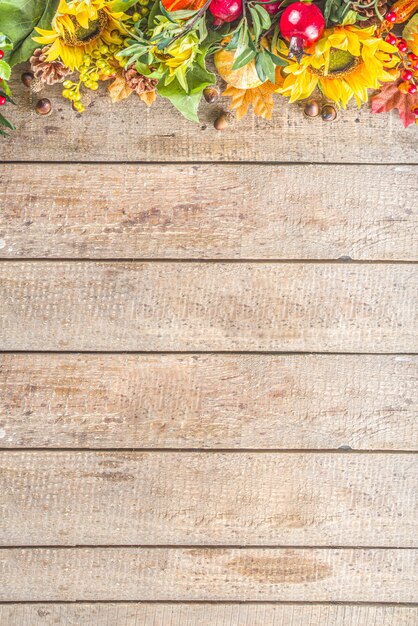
<point>194,498</point>
<point>206,306</point>
<point>209,211</point>
<point>205,615</point>
<point>209,401</point>
<point>321,575</point>
<point>130,132</point>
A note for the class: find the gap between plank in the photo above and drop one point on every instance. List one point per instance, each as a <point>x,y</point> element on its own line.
<point>208,352</point>
<point>208,261</point>
<point>213,602</point>
<point>221,546</point>
<point>218,163</point>
<point>342,450</point>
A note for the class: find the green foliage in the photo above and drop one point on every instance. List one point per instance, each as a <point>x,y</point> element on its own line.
<point>249,45</point>
<point>188,102</point>
<point>123,5</point>
<point>411,27</point>
<point>5,44</point>
<point>18,19</point>
<point>336,10</point>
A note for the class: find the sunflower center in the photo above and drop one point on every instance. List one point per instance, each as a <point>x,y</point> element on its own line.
<point>341,63</point>
<point>82,36</point>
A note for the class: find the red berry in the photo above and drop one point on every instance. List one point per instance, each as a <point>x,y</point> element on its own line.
<point>301,23</point>
<point>415,111</point>
<point>225,10</point>
<point>391,39</point>
<point>1,54</point>
<point>272,7</point>
<point>2,101</point>
<point>406,74</point>
<point>412,56</point>
<point>412,89</point>
<point>391,17</point>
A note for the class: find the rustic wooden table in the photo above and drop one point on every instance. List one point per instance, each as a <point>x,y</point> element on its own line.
<point>207,381</point>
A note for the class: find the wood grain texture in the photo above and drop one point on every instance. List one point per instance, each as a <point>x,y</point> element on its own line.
<point>205,615</point>
<point>192,498</point>
<point>209,211</point>
<point>209,401</point>
<point>322,575</point>
<point>204,306</point>
<point>130,132</point>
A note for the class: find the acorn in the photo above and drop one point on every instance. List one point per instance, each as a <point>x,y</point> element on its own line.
<point>311,108</point>
<point>43,106</point>
<point>27,78</point>
<point>222,121</point>
<point>328,113</point>
<point>211,94</point>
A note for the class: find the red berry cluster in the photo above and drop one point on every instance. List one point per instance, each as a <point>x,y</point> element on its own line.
<point>2,98</point>
<point>408,65</point>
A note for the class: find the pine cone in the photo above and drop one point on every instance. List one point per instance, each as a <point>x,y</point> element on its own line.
<point>138,82</point>
<point>363,8</point>
<point>48,72</point>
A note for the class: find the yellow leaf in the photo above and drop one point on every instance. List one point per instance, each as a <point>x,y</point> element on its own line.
<point>119,89</point>
<point>261,99</point>
<point>148,97</point>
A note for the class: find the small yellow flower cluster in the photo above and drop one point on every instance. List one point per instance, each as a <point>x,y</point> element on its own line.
<point>96,66</point>
<point>143,10</point>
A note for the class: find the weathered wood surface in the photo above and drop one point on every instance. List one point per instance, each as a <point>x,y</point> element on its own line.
<point>204,306</point>
<point>209,211</point>
<point>205,615</point>
<point>322,575</point>
<point>209,401</point>
<point>130,132</point>
<point>189,498</point>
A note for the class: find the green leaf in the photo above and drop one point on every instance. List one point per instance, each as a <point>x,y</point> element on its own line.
<point>5,122</point>
<point>256,23</point>
<point>123,5</point>
<point>188,103</point>
<point>276,59</point>
<point>264,16</point>
<point>259,67</point>
<point>153,13</point>
<point>268,66</point>
<point>349,18</point>
<point>328,8</point>
<point>233,44</point>
<point>18,19</point>
<point>4,70</point>
<point>411,27</point>
<point>5,43</point>
<point>243,58</point>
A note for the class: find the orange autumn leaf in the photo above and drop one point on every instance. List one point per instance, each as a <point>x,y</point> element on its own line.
<point>148,97</point>
<point>118,89</point>
<point>260,98</point>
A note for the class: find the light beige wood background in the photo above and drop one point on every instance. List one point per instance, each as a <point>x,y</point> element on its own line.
<point>208,373</point>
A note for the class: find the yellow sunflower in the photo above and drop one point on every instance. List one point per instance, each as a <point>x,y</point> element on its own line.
<point>345,62</point>
<point>78,27</point>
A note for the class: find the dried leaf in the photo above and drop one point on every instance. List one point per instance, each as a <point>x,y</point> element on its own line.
<point>261,99</point>
<point>119,89</point>
<point>389,97</point>
<point>148,97</point>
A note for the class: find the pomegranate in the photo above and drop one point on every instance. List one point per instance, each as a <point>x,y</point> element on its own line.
<point>302,24</point>
<point>225,10</point>
<point>271,7</point>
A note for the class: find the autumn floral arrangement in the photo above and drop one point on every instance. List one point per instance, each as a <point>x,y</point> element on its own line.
<point>323,53</point>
